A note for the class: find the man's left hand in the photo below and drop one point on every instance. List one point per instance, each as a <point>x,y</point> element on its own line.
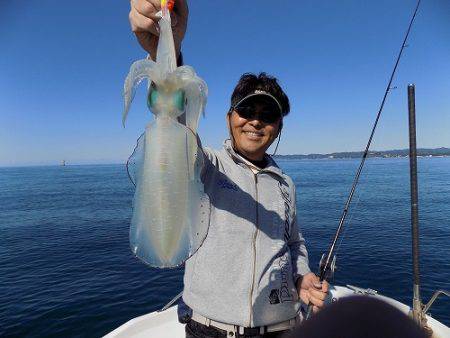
<point>311,290</point>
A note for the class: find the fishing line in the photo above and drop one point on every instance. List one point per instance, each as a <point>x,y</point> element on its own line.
<point>367,175</point>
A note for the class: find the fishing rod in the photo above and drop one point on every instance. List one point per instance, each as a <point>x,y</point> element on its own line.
<point>327,263</point>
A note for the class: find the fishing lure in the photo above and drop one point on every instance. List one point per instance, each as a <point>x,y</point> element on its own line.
<point>170,208</point>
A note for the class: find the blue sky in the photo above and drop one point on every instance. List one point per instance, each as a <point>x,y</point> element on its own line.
<point>62,69</point>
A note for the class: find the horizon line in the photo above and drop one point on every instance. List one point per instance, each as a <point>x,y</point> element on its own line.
<point>120,162</point>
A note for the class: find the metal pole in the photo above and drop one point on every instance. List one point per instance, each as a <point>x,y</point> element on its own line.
<point>417,303</point>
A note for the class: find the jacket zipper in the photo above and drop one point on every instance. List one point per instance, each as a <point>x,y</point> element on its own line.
<point>254,250</point>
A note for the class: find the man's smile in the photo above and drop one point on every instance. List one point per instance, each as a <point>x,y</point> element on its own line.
<point>256,135</point>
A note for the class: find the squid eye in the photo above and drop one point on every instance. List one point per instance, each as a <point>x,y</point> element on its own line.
<point>152,97</point>
<point>179,99</point>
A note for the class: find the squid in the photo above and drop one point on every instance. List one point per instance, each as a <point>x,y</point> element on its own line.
<point>170,208</point>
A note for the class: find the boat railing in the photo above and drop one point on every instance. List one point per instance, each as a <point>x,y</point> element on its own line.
<point>433,298</point>
<point>169,304</point>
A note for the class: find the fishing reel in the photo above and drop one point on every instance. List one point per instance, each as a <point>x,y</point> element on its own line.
<point>327,272</point>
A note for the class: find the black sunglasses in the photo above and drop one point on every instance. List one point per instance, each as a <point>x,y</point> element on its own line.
<point>266,115</point>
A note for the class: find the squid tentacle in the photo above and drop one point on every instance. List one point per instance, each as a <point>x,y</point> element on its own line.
<point>139,70</point>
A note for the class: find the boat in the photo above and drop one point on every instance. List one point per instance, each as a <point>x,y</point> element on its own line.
<point>165,324</point>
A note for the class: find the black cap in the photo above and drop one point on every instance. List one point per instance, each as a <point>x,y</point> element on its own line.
<point>254,94</point>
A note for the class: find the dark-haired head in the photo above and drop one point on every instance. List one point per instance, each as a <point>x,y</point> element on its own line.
<point>255,118</point>
<point>249,83</point>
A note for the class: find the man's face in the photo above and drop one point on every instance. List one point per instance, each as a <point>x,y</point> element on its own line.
<point>251,131</point>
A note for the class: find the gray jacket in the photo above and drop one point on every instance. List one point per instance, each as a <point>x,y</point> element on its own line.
<point>244,273</point>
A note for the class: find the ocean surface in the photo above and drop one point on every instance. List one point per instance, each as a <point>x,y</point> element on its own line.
<point>66,269</point>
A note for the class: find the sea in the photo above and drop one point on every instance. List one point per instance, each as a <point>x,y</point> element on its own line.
<point>66,269</point>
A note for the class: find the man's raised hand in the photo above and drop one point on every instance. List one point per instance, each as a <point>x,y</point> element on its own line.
<point>144,23</point>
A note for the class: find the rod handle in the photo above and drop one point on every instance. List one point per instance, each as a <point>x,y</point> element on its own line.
<point>309,311</point>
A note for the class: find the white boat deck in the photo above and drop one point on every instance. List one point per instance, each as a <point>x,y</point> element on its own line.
<point>156,324</point>
<point>165,324</point>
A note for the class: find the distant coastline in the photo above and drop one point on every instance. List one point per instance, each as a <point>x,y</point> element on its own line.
<point>421,152</point>
<point>400,153</point>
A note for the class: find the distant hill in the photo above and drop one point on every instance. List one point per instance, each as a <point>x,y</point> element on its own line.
<point>436,152</point>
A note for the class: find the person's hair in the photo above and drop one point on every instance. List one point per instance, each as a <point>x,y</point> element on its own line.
<point>250,82</point>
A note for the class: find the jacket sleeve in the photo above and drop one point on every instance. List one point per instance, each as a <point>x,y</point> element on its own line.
<point>296,243</point>
<point>207,160</point>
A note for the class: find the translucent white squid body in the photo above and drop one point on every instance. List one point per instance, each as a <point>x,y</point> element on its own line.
<point>170,208</point>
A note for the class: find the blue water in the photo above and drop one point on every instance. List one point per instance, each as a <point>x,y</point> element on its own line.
<point>66,269</point>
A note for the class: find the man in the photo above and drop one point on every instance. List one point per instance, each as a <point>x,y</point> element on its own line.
<point>251,271</point>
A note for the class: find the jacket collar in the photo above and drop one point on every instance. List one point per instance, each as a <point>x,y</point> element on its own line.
<point>271,166</point>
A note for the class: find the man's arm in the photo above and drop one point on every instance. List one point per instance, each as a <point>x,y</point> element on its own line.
<point>144,23</point>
